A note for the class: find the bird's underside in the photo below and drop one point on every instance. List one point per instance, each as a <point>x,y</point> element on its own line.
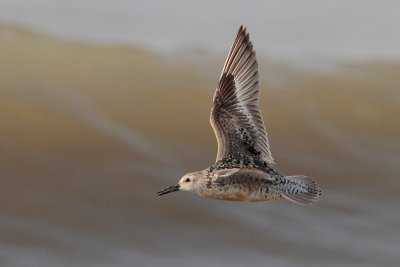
<point>240,184</point>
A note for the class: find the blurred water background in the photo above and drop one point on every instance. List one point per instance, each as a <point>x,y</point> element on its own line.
<point>104,103</point>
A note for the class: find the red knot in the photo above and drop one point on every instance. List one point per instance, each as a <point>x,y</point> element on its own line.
<point>244,168</point>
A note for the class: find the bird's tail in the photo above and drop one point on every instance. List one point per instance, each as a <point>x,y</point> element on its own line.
<point>299,189</point>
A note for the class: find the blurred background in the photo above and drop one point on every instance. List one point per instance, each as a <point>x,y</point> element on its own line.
<point>103,103</point>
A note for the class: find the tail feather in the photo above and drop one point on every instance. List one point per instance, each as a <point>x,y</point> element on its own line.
<point>300,189</point>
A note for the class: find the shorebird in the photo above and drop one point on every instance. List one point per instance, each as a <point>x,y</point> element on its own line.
<point>244,167</point>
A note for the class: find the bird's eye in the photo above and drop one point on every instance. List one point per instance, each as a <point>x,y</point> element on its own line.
<point>187,180</point>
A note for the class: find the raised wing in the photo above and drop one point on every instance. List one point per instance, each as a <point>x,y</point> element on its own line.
<point>235,116</point>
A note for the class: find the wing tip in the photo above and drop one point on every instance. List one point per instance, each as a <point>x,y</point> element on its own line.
<point>241,45</point>
<point>243,32</point>
<point>242,29</point>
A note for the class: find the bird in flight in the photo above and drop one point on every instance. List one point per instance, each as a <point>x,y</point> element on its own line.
<point>244,168</point>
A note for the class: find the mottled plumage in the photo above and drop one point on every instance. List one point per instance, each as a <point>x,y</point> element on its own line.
<point>243,170</point>
<point>235,116</point>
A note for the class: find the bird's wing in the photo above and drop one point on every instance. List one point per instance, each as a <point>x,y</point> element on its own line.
<point>235,116</point>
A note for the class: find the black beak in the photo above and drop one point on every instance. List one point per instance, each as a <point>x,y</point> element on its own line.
<point>168,190</point>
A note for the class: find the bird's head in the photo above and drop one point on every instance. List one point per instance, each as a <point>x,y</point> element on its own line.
<point>187,183</point>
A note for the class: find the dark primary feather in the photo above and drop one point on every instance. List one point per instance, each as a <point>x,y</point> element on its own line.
<point>235,116</point>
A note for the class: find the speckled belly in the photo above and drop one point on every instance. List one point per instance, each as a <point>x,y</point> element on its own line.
<point>242,193</point>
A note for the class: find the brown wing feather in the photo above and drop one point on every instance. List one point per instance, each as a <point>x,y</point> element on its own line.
<point>235,116</point>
